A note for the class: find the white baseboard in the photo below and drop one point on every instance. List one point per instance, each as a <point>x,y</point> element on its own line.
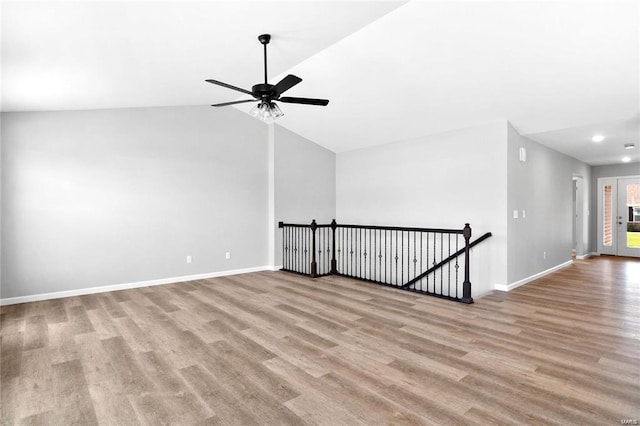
<point>106,288</point>
<point>586,256</point>
<point>524,281</point>
<point>274,268</point>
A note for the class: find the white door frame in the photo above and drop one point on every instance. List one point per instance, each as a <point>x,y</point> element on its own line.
<point>579,217</point>
<point>613,249</point>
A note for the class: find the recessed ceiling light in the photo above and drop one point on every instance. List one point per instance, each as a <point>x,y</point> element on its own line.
<point>629,145</point>
<point>626,159</point>
<point>597,138</point>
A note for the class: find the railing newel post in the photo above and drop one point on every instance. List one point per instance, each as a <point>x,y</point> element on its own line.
<point>334,263</point>
<point>314,265</point>
<point>466,285</point>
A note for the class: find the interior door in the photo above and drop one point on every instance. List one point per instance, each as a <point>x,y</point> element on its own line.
<point>628,217</point>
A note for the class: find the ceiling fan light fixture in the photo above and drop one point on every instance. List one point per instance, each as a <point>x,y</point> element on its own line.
<point>266,112</point>
<point>255,111</point>
<point>275,110</point>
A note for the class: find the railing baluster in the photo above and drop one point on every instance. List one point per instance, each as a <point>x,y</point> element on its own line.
<point>319,250</point>
<point>441,239</point>
<point>386,280</point>
<point>449,269</point>
<point>300,252</point>
<point>396,259</point>
<point>342,251</point>
<point>401,256</point>
<point>457,267</point>
<point>435,291</point>
<point>371,255</point>
<point>290,239</point>
<point>414,255</point>
<point>427,260</point>
<point>375,250</point>
<point>299,249</point>
<point>326,252</point>
<point>369,252</point>
<point>421,237</point>
<point>359,253</point>
<point>329,255</point>
<point>351,252</point>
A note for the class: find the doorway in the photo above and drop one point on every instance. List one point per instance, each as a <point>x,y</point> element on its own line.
<point>619,216</point>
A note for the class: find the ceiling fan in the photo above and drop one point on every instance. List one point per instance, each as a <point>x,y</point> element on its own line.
<point>265,94</point>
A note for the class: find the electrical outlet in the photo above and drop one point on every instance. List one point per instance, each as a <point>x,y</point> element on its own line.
<point>544,254</point>
<point>524,214</point>
<point>515,214</point>
<point>227,255</point>
<point>188,259</point>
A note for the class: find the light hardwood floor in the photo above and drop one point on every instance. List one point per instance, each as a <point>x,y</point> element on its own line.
<point>275,348</point>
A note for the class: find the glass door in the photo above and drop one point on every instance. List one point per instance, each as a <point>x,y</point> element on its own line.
<point>628,217</point>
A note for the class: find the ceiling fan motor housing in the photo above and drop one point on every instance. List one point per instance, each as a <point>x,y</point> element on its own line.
<point>263,91</point>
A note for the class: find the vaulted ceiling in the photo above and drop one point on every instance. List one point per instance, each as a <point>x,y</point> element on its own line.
<point>559,71</point>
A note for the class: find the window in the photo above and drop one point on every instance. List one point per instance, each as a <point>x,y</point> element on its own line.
<point>607,223</point>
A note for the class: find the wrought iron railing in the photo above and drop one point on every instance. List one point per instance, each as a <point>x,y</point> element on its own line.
<point>423,260</point>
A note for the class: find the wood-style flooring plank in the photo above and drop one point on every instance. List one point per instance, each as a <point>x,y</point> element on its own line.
<point>228,409</point>
<point>73,402</point>
<point>11,348</point>
<point>107,392</point>
<point>36,391</point>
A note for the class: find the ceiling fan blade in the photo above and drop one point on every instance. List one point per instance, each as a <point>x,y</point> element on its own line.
<point>228,86</point>
<point>285,84</point>
<point>306,101</point>
<point>233,103</point>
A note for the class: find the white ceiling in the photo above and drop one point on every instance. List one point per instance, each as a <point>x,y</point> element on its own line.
<point>559,71</point>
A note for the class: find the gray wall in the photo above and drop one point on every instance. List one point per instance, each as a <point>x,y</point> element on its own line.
<point>542,186</point>
<point>94,198</point>
<point>305,182</point>
<point>436,181</point>
<point>614,170</point>
<point>1,203</point>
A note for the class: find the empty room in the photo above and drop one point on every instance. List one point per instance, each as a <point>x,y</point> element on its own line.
<point>320,212</point>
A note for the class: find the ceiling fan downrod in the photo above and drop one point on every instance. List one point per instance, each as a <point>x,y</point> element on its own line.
<point>265,39</point>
